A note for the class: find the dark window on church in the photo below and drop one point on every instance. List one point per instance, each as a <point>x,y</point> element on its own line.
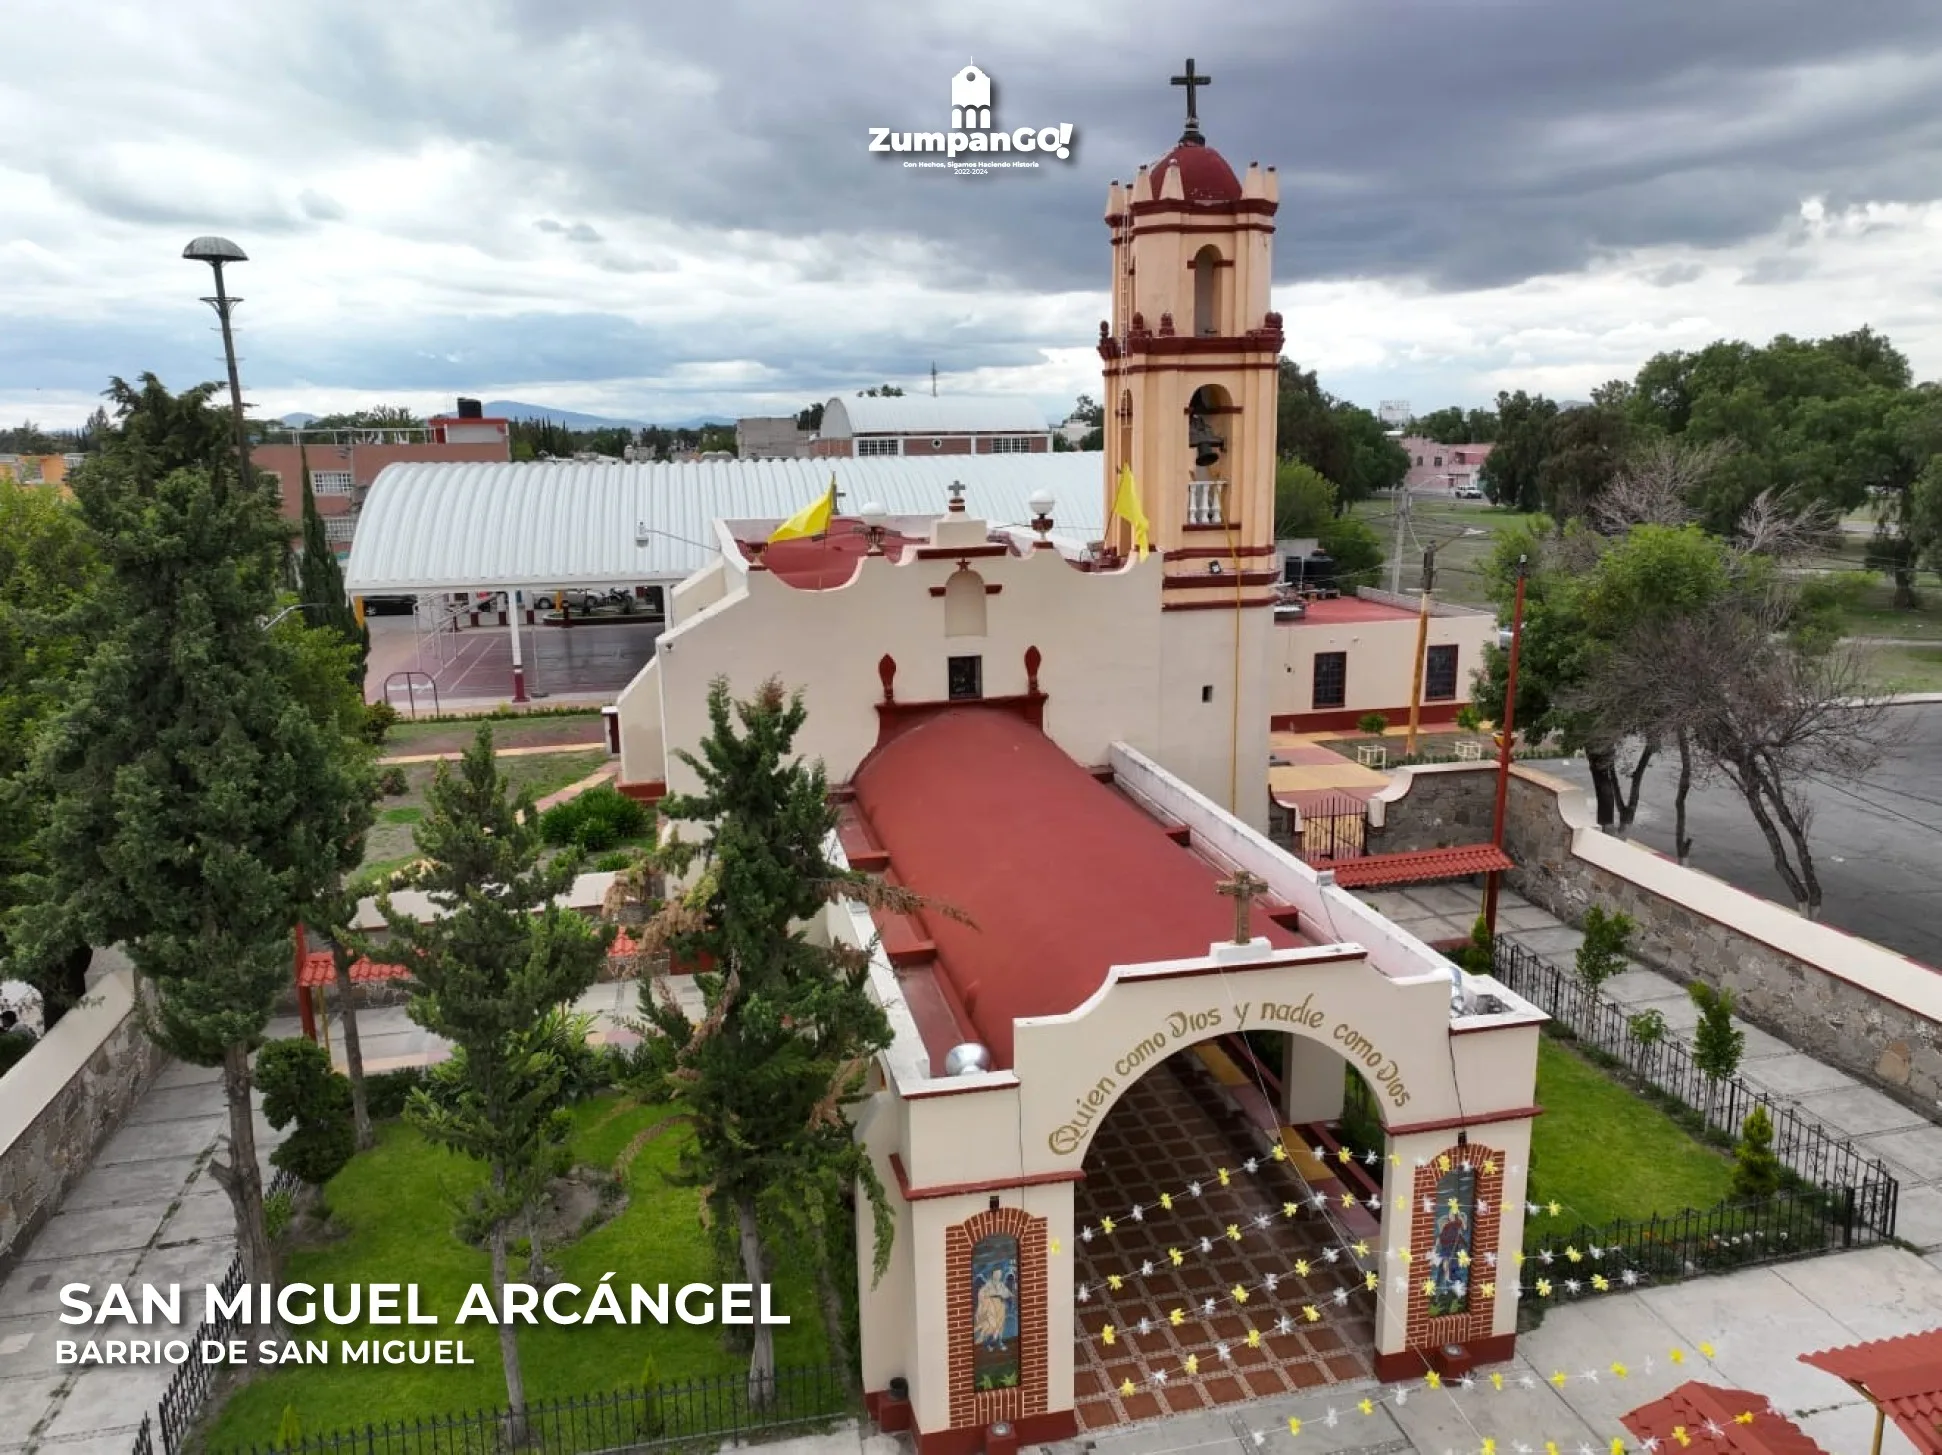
<point>1440,674</point>
<point>1331,679</point>
<point>966,678</point>
<point>1207,694</point>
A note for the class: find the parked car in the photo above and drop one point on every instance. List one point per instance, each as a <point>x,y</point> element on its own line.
<point>1468,492</point>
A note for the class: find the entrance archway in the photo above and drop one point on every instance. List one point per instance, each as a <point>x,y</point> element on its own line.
<point>1220,1279</point>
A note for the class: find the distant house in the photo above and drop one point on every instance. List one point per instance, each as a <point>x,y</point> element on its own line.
<point>1434,466</point>
<point>39,469</point>
<point>344,462</point>
<point>772,439</point>
<point>920,425</point>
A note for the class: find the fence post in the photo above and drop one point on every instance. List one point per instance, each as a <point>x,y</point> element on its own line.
<point>1847,1216</point>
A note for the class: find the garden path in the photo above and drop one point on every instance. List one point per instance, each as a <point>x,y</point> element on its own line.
<point>1909,1143</point>
<point>147,1211</point>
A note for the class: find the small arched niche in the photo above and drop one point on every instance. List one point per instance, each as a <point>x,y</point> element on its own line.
<point>964,604</point>
<point>1207,271</point>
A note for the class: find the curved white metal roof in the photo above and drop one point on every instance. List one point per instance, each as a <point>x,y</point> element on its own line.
<point>922,415</point>
<point>463,527</point>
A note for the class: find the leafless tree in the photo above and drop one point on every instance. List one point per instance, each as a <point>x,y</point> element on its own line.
<point>1773,528</point>
<point>1656,483</point>
<point>1765,715</point>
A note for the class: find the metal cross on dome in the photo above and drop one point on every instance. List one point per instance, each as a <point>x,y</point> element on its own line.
<point>1192,82</point>
<point>1241,889</point>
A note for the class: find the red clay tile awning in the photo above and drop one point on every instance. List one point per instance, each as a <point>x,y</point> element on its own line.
<point>1901,1376</point>
<point>320,969</point>
<point>1717,1421</point>
<point>1424,866</point>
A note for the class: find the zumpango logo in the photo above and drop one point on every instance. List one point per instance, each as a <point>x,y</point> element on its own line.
<point>972,146</point>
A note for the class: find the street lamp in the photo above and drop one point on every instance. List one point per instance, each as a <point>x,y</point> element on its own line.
<point>215,251</point>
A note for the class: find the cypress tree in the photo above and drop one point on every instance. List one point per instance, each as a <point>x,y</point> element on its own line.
<point>790,1026</point>
<point>320,581</point>
<point>193,799</point>
<point>486,971</point>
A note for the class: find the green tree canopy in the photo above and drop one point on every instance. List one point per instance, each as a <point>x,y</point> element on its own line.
<point>194,802</point>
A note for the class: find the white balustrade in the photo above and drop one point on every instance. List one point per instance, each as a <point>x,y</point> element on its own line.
<point>1206,502</point>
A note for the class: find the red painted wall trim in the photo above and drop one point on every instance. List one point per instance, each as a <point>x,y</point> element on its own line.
<point>1190,583</point>
<point>652,790</point>
<point>1115,368</point>
<point>992,588</point>
<point>1457,1124</point>
<point>1243,605</point>
<point>1239,207</point>
<point>1332,719</point>
<point>1213,553</point>
<point>970,1189</point>
<point>952,553</point>
<point>894,717</point>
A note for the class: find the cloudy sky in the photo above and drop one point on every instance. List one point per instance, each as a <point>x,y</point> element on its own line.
<point>661,211</point>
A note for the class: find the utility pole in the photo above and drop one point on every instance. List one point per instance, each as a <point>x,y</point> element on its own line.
<point>1416,676</point>
<point>1396,556</point>
<point>933,381</point>
<point>1506,730</point>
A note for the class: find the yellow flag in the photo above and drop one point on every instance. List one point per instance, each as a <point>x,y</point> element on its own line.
<point>811,520</point>
<point>1126,507</point>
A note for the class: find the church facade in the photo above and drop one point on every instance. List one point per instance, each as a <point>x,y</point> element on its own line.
<point>1071,751</point>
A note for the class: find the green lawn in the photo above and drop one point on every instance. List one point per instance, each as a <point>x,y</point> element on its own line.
<point>395,1204</point>
<point>390,844</point>
<point>1605,1152</point>
<point>1905,669</point>
<point>435,735</point>
<point>1459,557</point>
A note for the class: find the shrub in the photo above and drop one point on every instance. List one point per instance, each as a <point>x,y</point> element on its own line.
<point>594,821</point>
<point>387,1092</point>
<point>379,718</point>
<point>289,1430</point>
<point>1648,1027</point>
<point>1372,723</point>
<point>1602,955</point>
<point>300,1086</point>
<point>14,1045</point>
<point>614,862</point>
<point>585,1070</point>
<point>1756,1170</point>
<point>392,782</point>
<point>278,1209</point>
<point>1468,718</point>
<point>1479,957</point>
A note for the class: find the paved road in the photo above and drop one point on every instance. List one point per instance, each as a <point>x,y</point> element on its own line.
<point>1877,844</point>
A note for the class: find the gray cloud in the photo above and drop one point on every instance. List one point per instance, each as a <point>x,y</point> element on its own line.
<point>1446,146</point>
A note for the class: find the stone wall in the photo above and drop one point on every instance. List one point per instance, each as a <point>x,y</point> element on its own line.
<point>1845,1000</point>
<point>62,1101</point>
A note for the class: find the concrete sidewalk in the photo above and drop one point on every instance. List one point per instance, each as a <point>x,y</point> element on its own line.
<point>1756,1323</point>
<point>147,1211</point>
<point>1910,1144</point>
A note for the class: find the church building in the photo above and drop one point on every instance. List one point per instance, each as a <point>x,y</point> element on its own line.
<point>1095,1121</point>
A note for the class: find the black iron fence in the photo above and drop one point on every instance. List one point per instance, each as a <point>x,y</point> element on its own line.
<point>1868,1193</point>
<point>181,1403</point>
<point>145,1437</point>
<point>1665,1248</point>
<point>699,1412</point>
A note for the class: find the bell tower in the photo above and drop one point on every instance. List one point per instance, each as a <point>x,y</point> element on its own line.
<point>1190,357</point>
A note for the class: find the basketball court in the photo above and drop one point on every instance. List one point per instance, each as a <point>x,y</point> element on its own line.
<point>586,662</point>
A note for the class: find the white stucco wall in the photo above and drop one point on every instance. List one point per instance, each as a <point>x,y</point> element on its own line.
<point>1381,656</point>
<point>1095,632</point>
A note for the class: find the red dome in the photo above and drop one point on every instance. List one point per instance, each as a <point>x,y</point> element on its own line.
<point>1204,174</point>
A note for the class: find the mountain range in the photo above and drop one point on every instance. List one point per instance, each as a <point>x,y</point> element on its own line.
<point>572,419</point>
